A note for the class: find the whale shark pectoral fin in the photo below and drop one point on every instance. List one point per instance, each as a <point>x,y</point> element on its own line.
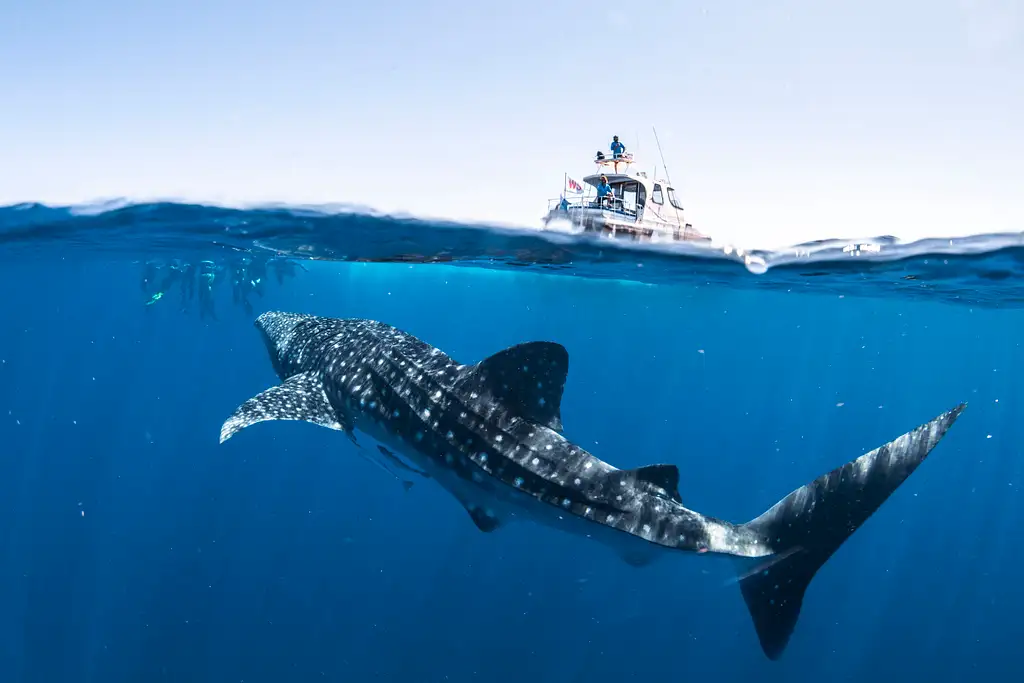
<point>528,380</point>
<point>300,397</point>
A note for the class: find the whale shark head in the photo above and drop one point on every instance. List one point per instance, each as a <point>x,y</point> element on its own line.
<point>277,328</point>
<point>285,336</point>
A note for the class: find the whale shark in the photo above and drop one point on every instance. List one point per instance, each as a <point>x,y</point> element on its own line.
<point>491,434</point>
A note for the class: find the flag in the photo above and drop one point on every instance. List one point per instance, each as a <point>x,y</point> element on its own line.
<point>574,186</point>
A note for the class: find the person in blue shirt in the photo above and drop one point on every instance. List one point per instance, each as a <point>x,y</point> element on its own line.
<point>604,191</point>
<point>617,147</point>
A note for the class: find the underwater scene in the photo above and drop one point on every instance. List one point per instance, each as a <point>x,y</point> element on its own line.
<point>303,444</point>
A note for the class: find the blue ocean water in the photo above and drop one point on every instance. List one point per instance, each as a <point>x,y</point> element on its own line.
<point>134,547</point>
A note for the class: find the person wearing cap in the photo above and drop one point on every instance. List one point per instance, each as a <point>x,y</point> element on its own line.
<point>617,147</point>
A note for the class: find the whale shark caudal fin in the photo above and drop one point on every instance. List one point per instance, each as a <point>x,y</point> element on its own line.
<point>527,379</point>
<point>806,527</point>
<point>300,397</point>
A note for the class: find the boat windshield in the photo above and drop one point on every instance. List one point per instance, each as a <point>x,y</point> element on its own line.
<point>672,198</point>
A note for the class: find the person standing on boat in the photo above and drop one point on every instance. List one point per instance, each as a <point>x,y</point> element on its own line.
<point>604,191</point>
<point>617,147</point>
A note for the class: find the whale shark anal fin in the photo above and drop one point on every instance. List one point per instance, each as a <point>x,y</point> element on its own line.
<point>300,397</point>
<point>636,558</point>
<point>485,520</point>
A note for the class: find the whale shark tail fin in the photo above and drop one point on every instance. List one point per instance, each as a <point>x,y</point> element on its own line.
<point>806,527</point>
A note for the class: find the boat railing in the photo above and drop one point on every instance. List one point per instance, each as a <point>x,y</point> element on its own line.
<point>612,204</point>
<point>624,158</point>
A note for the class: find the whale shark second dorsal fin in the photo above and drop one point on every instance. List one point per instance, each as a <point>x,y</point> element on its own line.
<point>527,379</point>
<point>664,477</point>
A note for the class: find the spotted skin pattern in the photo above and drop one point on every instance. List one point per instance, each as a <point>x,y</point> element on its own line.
<point>345,374</point>
<point>489,433</point>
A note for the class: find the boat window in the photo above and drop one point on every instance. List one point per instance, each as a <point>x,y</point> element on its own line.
<point>656,195</point>
<point>672,198</point>
<point>625,193</point>
<point>628,196</point>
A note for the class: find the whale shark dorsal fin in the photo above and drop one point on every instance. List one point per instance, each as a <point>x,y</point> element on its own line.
<point>665,477</point>
<point>300,397</point>
<point>527,379</point>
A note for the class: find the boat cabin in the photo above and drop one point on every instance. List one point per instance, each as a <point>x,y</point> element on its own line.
<point>639,205</point>
<point>633,192</point>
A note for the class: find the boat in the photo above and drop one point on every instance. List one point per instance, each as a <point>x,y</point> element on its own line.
<point>641,207</point>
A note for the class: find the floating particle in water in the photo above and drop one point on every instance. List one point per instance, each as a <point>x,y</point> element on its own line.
<point>840,404</point>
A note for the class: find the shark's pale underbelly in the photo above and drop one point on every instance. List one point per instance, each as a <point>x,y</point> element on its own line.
<point>505,503</point>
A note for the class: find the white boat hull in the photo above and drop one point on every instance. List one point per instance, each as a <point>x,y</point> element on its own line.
<point>617,225</point>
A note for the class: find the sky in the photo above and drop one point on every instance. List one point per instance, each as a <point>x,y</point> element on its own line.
<point>780,121</point>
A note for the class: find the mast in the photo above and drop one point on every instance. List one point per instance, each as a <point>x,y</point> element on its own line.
<point>668,178</point>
